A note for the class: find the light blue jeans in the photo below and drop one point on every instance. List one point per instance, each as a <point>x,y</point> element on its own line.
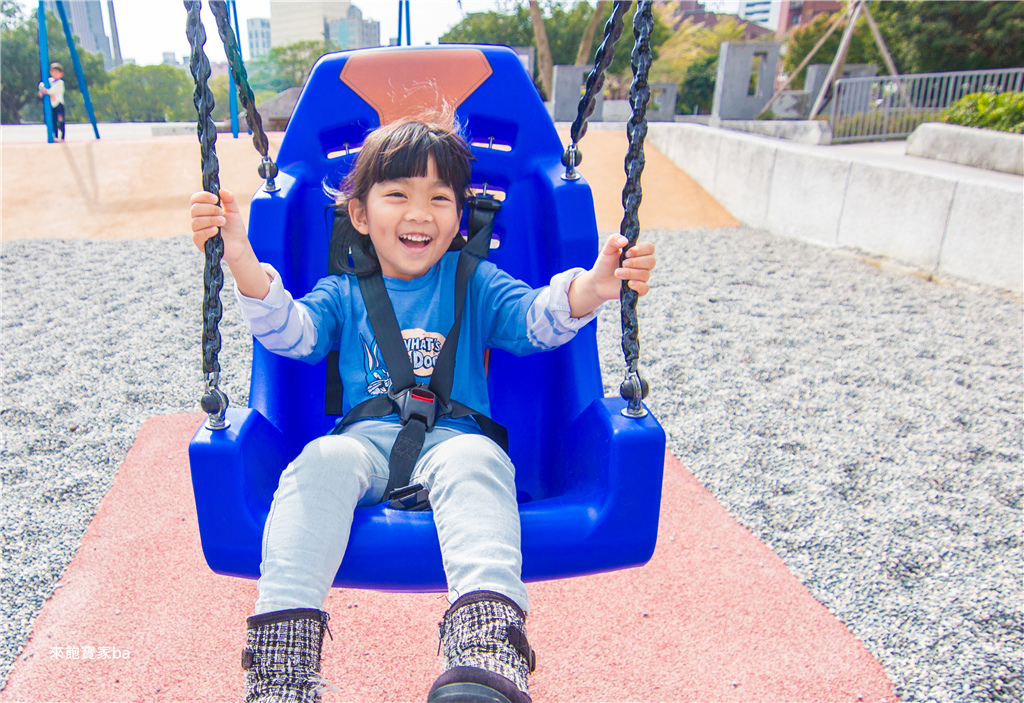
<point>472,493</point>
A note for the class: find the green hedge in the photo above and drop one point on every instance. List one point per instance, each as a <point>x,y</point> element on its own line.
<point>1003,111</point>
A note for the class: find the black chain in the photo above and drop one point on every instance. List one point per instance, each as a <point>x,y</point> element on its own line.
<point>595,83</point>
<point>245,95</point>
<point>634,388</point>
<point>214,402</point>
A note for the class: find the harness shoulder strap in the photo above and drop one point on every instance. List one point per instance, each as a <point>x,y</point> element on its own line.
<point>420,407</point>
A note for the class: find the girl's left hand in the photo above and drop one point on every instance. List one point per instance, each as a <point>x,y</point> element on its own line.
<point>604,281</point>
<point>608,274</point>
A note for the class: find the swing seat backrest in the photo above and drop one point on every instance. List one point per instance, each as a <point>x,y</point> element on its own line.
<point>588,479</point>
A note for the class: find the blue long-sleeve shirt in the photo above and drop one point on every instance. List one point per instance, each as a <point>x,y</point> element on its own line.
<point>501,312</point>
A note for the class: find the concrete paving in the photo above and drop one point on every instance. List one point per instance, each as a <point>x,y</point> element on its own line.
<point>131,183</point>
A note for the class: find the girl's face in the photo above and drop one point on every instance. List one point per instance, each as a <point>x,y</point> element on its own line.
<point>411,222</point>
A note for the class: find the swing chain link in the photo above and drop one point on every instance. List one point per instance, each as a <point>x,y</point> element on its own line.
<point>267,169</point>
<point>214,401</point>
<point>595,83</point>
<point>634,388</point>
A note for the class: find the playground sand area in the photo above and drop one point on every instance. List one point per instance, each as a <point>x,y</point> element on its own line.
<point>863,423</point>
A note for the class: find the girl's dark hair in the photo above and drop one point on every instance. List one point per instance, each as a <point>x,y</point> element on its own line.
<point>401,149</point>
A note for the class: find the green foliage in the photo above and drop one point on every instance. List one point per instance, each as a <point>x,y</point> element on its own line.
<point>803,39</point>
<point>929,36</point>
<point>564,22</point>
<point>925,36</point>
<point>874,124</point>
<point>10,13</point>
<point>146,94</point>
<point>1003,111</point>
<point>660,33</point>
<point>508,27</point>
<point>698,88</point>
<point>19,66</point>
<point>294,62</point>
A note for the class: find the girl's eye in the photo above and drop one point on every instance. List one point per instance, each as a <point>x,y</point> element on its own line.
<point>442,197</point>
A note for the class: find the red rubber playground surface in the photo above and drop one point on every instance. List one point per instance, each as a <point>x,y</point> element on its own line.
<point>715,615</point>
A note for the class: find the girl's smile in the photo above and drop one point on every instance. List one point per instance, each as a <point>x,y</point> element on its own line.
<point>411,222</point>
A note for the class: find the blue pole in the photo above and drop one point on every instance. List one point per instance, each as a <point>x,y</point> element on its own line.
<point>408,23</point>
<point>78,67</point>
<point>400,4</point>
<point>44,71</point>
<point>238,35</point>
<point>232,88</point>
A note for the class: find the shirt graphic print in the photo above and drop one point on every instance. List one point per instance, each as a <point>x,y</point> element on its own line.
<point>423,348</point>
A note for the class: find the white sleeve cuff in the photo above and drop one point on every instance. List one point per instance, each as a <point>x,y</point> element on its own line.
<point>549,321</point>
<point>281,324</point>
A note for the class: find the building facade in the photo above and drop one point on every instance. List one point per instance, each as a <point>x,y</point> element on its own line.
<point>797,13</point>
<point>337,22</point>
<point>86,20</point>
<point>763,12</point>
<point>259,37</point>
<point>353,32</point>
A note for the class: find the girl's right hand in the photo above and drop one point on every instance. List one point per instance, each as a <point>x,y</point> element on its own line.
<point>208,216</point>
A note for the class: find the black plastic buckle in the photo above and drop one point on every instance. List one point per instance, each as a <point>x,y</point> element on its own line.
<point>416,402</point>
<point>414,497</point>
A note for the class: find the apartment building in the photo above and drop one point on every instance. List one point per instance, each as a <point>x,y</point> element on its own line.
<point>86,20</point>
<point>258,30</point>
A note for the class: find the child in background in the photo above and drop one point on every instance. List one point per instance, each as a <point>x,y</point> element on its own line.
<point>56,93</point>
<point>404,198</point>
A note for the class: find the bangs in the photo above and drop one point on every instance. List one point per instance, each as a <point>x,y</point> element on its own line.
<point>404,151</point>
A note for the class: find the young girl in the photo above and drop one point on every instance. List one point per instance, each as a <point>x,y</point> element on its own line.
<point>404,198</point>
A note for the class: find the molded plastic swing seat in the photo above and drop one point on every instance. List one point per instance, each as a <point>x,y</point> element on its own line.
<point>588,478</point>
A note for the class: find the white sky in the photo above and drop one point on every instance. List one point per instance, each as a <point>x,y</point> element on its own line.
<point>148,28</point>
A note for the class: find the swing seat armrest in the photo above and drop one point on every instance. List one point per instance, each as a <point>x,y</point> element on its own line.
<point>233,499</point>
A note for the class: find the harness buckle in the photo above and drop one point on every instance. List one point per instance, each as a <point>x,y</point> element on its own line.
<point>417,402</point>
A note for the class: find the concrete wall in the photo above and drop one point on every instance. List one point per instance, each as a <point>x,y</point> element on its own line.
<point>567,89</point>
<point>733,100</point>
<point>949,221</point>
<point>661,108</point>
<point>981,148</point>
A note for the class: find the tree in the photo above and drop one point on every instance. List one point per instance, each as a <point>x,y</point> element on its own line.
<point>19,66</point>
<point>698,88</point>
<point>508,27</point>
<point>146,94</point>
<point>545,62</point>
<point>564,26</point>
<point>803,39</point>
<point>692,43</point>
<point>587,42</point>
<point>295,61</point>
<point>926,37</point>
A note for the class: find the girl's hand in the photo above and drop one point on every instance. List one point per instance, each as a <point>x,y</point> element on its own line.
<point>636,268</point>
<point>604,281</point>
<point>208,215</point>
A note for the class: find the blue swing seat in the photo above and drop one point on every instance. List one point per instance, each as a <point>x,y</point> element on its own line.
<point>588,478</point>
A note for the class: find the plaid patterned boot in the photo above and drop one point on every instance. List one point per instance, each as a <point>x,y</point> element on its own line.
<point>281,658</point>
<point>486,656</point>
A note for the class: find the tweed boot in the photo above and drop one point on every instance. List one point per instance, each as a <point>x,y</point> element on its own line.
<point>281,658</point>
<point>486,656</point>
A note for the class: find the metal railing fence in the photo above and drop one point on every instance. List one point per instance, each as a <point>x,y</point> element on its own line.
<point>887,107</point>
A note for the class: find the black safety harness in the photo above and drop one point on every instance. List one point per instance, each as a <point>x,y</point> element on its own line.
<point>420,406</point>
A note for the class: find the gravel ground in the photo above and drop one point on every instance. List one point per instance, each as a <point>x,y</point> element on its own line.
<point>865,423</point>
